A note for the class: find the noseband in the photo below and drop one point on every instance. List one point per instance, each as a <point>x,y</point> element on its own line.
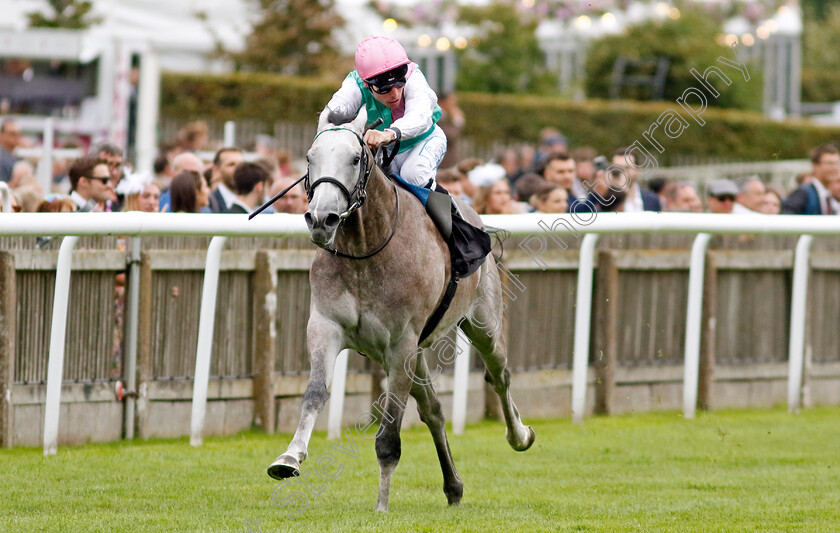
<point>356,197</point>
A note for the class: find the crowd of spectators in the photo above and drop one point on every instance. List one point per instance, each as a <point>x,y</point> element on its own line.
<point>550,177</point>
<point>555,179</point>
<point>181,182</point>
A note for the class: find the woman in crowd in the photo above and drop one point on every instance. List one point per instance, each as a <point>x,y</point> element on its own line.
<point>141,193</point>
<point>56,203</point>
<point>771,203</point>
<point>189,192</point>
<point>494,200</point>
<point>550,198</point>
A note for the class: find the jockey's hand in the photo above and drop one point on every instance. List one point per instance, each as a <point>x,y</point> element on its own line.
<point>374,138</point>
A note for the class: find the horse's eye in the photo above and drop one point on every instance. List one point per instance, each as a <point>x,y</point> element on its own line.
<point>357,159</point>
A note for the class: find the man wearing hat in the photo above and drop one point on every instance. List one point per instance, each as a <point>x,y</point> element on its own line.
<point>721,196</point>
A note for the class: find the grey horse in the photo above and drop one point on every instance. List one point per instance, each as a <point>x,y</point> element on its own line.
<point>379,305</point>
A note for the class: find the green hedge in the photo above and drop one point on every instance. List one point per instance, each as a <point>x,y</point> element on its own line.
<point>267,97</point>
<point>727,134</point>
<point>820,86</point>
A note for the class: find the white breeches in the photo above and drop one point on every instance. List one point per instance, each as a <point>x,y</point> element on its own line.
<point>419,165</point>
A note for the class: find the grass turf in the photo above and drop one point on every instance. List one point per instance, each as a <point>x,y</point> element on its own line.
<point>725,471</point>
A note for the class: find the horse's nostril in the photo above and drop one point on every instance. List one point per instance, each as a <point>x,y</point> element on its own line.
<point>332,221</point>
<point>308,218</point>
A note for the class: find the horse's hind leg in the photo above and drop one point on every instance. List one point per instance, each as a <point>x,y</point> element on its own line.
<point>323,339</point>
<point>428,405</point>
<point>484,327</point>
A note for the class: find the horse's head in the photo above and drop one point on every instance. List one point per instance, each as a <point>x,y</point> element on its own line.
<point>339,165</point>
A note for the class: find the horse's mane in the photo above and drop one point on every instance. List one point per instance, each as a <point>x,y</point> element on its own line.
<point>337,117</point>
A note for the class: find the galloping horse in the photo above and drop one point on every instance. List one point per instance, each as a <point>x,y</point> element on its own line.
<point>382,273</point>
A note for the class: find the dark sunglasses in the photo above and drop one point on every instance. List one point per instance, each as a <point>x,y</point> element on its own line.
<point>724,198</point>
<point>103,179</point>
<point>386,81</point>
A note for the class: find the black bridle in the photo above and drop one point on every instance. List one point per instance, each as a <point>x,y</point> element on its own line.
<point>356,197</point>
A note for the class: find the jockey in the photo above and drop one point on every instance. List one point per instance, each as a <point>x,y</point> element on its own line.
<point>394,89</point>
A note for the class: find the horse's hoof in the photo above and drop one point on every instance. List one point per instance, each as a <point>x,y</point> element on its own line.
<point>532,436</point>
<point>454,493</point>
<point>528,442</point>
<point>284,467</point>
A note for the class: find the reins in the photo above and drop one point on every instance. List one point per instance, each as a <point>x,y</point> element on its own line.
<point>384,244</point>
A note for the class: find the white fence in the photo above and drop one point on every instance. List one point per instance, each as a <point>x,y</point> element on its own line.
<point>73,225</point>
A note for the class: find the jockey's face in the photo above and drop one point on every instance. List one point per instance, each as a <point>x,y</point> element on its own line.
<point>391,99</point>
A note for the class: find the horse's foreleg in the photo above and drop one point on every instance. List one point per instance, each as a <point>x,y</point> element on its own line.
<point>390,415</point>
<point>484,328</point>
<point>324,341</point>
<point>428,405</point>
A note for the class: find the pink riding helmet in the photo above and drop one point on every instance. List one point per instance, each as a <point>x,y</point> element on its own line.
<point>378,54</point>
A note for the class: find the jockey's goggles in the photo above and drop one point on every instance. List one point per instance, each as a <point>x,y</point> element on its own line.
<point>383,83</point>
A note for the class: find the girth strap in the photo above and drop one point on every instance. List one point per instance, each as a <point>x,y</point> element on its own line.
<point>436,317</point>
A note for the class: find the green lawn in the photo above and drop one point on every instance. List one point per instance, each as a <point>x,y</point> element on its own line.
<point>725,471</point>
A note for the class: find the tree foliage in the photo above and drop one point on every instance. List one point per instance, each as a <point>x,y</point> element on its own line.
<point>691,41</point>
<point>294,37</point>
<point>818,8</point>
<point>821,40</point>
<point>70,14</point>
<point>504,56</point>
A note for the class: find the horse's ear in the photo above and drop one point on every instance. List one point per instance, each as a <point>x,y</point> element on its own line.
<point>360,121</point>
<point>324,118</point>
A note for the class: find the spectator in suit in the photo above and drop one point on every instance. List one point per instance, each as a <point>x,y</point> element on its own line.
<point>224,189</point>
<point>560,169</point>
<point>189,192</point>
<point>250,182</point>
<point>819,196</point>
<point>90,184</point>
<point>721,196</point>
<point>637,199</point>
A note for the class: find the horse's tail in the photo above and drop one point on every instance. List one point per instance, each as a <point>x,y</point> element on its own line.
<point>498,235</point>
